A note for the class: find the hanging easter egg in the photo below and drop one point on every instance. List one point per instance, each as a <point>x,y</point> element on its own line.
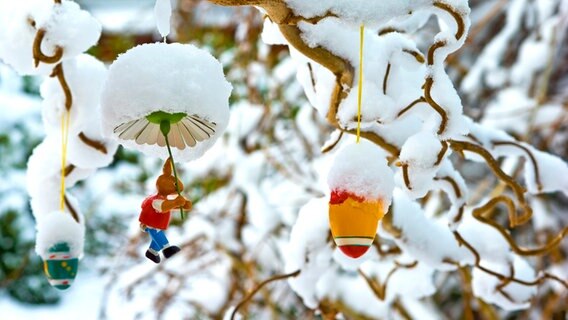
<point>60,266</point>
<point>361,187</point>
<point>160,95</point>
<point>59,242</point>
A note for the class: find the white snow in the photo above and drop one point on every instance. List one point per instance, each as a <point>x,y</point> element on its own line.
<point>309,250</point>
<point>17,34</point>
<point>421,150</point>
<point>427,240</point>
<point>85,76</point>
<point>485,285</point>
<point>163,14</point>
<point>44,168</point>
<point>70,28</point>
<point>57,227</point>
<point>65,25</point>
<point>359,297</point>
<point>492,247</point>
<point>358,11</point>
<point>361,169</point>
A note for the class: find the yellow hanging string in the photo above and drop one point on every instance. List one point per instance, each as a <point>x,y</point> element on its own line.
<point>64,141</point>
<point>360,86</point>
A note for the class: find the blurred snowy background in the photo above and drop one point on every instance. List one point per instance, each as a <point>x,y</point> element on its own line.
<point>512,74</point>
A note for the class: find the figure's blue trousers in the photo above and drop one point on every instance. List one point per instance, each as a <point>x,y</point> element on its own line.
<point>159,240</point>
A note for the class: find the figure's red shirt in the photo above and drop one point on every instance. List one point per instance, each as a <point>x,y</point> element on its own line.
<point>153,218</point>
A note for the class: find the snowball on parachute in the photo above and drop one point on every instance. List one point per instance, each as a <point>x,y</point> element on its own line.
<point>361,185</point>
<point>171,78</point>
<point>65,26</point>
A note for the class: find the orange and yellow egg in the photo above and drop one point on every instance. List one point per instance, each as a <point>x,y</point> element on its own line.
<point>353,221</point>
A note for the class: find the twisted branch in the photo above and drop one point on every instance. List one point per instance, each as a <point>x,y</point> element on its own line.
<point>386,79</point>
<point>342,69</point>
<point>259,286</point>
<point>478,214</point>
<point>379,290</point>
<point>456,15</point>
<point>442,153</point>
<point>68,170</point>
<point>58,72</point>
<point>518,190</point>
<point>390,251</point>
<point>431,52</point>
<point>95,144</point>
<point>529,154</point>
<point>458,194</point>
<point>328,148</point>
<point>72,210</point>
<point>39,56</point>
<point>410,106</point>
<point>417,55</point>
<point>500,276</point>
<point>389,226</point>
<point>378,140</point>
<point>406,176</point>
<point>428,96</point>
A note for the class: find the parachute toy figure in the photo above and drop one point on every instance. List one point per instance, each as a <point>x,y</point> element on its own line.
<point>155,215</point>
<point>167,101</point>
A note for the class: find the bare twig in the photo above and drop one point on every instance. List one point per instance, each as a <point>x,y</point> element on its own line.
<point>529,154</point>
<point>97,145</point>
<point>259,286</point>
<point>380,290</point>
<point>58,73</point>
<point>478,213</point>
<point>39,56</point>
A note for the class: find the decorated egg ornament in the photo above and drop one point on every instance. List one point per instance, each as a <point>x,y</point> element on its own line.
<point>361,186</point>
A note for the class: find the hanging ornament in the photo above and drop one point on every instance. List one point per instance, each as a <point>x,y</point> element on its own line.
<point>168,101</point>
<point>39,37</point>
<point>361,186</point>
<point>59,242</point>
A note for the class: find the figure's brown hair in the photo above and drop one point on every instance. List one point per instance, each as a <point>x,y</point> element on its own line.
<point>166,183</point>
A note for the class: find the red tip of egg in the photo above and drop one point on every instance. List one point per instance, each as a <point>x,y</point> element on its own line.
<point>353,251</point>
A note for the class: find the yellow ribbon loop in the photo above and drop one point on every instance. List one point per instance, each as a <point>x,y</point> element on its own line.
<point>360,86</point>
<point>64,141</point>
